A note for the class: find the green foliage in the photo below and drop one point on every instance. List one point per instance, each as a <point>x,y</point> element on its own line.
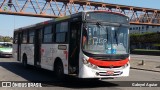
<point>158,45</point>
<point>147,50</point>
<point>1,39</point>
<point>145,38</point>
<point>5,39</point>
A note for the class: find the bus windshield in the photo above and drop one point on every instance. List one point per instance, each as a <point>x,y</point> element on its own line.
<point>105,39</point>
<point>5,45</point>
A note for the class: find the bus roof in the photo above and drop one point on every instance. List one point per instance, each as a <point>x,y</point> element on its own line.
<point>34,25</point>
<point>65,17</point>
<point>107,11</point>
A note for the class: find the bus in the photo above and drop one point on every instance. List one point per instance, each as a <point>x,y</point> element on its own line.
<point>88,44</point>
<point>5,49</point>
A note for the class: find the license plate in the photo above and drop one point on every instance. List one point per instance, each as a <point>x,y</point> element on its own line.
<point>110,72</point>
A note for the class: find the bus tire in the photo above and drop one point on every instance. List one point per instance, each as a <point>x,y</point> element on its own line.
<point>24,61</point>
<point>59,71</point>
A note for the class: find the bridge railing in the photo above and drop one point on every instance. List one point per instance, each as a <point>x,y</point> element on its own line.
<point>60,8</point>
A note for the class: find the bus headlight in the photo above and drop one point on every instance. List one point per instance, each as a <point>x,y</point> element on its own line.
<point>126,65</point>
<point>85,61</point>
<point>94,67</point>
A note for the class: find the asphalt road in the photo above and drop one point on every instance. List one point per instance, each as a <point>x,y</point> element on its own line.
<point>11,70</point>
<point>145,57</point>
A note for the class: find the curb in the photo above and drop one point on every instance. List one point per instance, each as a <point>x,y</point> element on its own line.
<point>144,69</point>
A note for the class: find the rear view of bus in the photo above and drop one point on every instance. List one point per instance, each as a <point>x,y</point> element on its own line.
<point>104,45</point>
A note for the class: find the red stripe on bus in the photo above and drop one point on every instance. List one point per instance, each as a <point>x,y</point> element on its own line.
<point>108,63</point>
<point>66,53</point>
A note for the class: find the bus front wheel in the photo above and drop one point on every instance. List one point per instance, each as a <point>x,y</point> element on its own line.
<point>59,71</point>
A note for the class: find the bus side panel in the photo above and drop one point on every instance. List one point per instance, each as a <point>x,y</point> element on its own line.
<point>14,52</point>
<point>46,56</point>
<point>28,49</point>
<point>61,51</point>
<point>50,52</point>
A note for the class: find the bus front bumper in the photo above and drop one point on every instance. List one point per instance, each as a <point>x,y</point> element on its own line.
<point>87,72</point>
<point>6,54</point>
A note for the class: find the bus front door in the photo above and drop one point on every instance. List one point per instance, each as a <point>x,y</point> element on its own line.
<point>37,47</point>
<point>19,47</point>
<point>74,47</point>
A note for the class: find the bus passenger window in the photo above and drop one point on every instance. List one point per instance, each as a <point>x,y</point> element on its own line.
<point>24,39</point>
<point>31,37</point>
<point>61,32</point>
<point>47,34</point>
<point>15,40</point>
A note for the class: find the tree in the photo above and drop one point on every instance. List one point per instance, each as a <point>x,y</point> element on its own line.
<point>1,39</point>
<point>5,39</point>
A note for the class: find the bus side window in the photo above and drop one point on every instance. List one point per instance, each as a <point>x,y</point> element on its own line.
<point>24,38</point>
<point>48,33</point>
<point>31,37</point>
<point>61,32</point>
<point>15,40</point>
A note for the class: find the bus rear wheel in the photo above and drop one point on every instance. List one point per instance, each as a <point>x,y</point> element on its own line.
<point>59,71</point>
<point>24,61</point>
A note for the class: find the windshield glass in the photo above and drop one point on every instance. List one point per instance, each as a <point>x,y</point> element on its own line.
<point>104,39</point>
<point>5,45</point>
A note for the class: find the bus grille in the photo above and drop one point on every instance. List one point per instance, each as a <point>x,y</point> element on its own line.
<point>109,66</point>
<point>116,73</point>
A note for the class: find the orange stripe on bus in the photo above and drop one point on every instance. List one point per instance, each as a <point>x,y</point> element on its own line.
<point>108,63</point>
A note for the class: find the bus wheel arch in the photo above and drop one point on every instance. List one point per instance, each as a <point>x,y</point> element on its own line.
<point>58,68</point>
<point>24,60</point>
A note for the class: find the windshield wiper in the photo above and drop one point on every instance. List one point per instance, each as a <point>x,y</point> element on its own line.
<point>116,37</point>
<point>99,24</point>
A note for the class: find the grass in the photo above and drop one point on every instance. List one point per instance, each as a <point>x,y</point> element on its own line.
<point>146,50</point>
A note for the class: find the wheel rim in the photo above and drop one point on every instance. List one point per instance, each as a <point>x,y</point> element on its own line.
<point>59,71</point>
<point>24,63</point>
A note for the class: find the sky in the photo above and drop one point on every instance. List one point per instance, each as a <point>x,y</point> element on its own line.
<point>10,22</point>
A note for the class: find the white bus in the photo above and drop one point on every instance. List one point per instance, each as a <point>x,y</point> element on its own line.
<point>89,44</point>
<point>5,49</point>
